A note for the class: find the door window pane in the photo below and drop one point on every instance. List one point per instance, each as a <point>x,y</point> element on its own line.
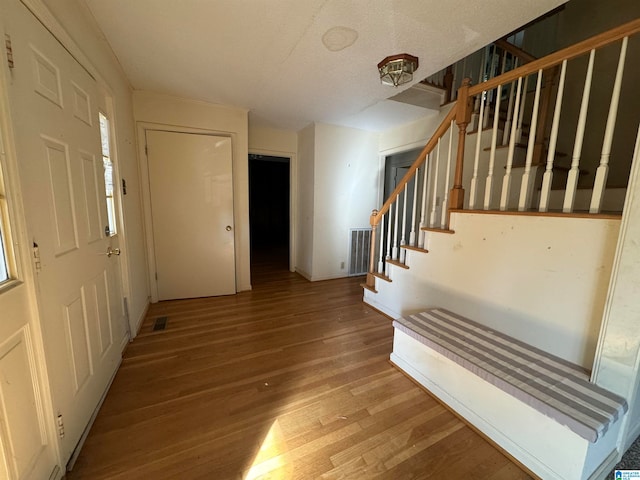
<point>5,246</point>
<point>108,173</point>
<point>4,273</point>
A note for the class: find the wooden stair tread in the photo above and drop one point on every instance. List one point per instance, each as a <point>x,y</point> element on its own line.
<point>398,264</point>
<point>367,287</point>
<point>438,230</point>
<point>415,249</point>
<point>382,276</point>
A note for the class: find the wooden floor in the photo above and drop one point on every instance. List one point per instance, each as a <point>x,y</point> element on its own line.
<point>288,381</point>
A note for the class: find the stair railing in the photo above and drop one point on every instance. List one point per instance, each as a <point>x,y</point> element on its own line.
<point>425,210</point>
<point>429,176</point>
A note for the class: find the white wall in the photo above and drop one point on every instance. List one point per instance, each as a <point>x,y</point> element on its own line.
<point>338,185</point>
<point>540,279</point>
<point>305,213</point>
<point>262,139</point>
<point>411,135</point>
<point>179,113</point>
<point>80,25</point>
<point>345,190</point>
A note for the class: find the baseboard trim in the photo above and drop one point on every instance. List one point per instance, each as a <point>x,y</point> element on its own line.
<point>141,318</point>
<point>606,466</point>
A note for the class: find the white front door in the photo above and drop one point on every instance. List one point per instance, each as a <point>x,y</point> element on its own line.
<point>54,107</point>
<point>190,178</point>
<point>26,449</point>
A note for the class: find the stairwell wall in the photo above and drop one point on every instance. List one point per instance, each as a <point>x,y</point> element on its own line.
<point>542,280</point>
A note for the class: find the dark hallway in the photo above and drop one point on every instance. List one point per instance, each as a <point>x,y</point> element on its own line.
<point>269,215</point>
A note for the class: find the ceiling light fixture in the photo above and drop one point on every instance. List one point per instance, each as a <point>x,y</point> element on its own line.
<point>397,69</point>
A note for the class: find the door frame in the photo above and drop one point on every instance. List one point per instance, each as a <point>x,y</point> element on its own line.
<point>293,196</point>
<point>383,154</point>
<point>145,188</point>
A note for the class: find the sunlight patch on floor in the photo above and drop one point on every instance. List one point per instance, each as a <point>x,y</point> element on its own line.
<point>271,462</point>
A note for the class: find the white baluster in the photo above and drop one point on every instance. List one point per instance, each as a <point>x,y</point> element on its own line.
<point>403,242</point>
<point>572,178</point>
<point>423,209</point>
<point>474,179</point>
<point>521,110</point>
<point>526,186</point>
<point>388,257</point>
<point>545,191</point>
<point>602,172</point>
<point>412,234</point>
<point>394,250</point>
<point>445,201</point>
<point>380,259</point>
<point>506,181</point>
<point>509,120</point>
<point>488,187</point>
<point>432,217</point>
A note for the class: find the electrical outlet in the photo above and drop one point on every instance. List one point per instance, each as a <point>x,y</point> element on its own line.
<point>341,265</point>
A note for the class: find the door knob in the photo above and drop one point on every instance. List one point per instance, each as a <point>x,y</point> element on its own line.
<point>228,229</point>
<point>112,251</point>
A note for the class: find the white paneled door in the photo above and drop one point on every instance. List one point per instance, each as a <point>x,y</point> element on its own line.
<point>190,177</point>
<point>55,109</point>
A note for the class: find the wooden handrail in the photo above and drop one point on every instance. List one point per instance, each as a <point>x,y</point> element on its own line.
<point>558,57</point>
<point>431,144</point>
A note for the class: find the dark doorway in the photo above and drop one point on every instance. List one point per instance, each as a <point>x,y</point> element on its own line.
<point>395,168</point>
<point>269,193</point>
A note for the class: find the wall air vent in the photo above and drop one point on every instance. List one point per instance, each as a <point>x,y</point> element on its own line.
<point>359,248</point>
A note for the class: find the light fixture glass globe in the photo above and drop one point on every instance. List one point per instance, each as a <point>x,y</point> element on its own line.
<point>397,69</point>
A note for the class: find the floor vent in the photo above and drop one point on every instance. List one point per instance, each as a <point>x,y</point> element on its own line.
<point>359,248</point>
<point>160,324</point>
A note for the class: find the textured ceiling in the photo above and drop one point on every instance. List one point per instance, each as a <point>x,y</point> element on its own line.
<point>269,56</point>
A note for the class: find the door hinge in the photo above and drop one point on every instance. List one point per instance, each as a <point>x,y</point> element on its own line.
<point>60,423</point>
<point>156,276</point>
<point>36,257</point>
<point>146,150</point>
<point>7,45</point>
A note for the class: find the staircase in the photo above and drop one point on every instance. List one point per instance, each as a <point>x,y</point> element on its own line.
<point>502,227</point>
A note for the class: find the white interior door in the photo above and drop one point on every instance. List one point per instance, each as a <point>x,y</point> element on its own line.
<point>190,178</point>
<point>54,106</point>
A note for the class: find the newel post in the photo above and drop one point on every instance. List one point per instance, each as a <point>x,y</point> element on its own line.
<point>463,117</point>
<point>371,280</point>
